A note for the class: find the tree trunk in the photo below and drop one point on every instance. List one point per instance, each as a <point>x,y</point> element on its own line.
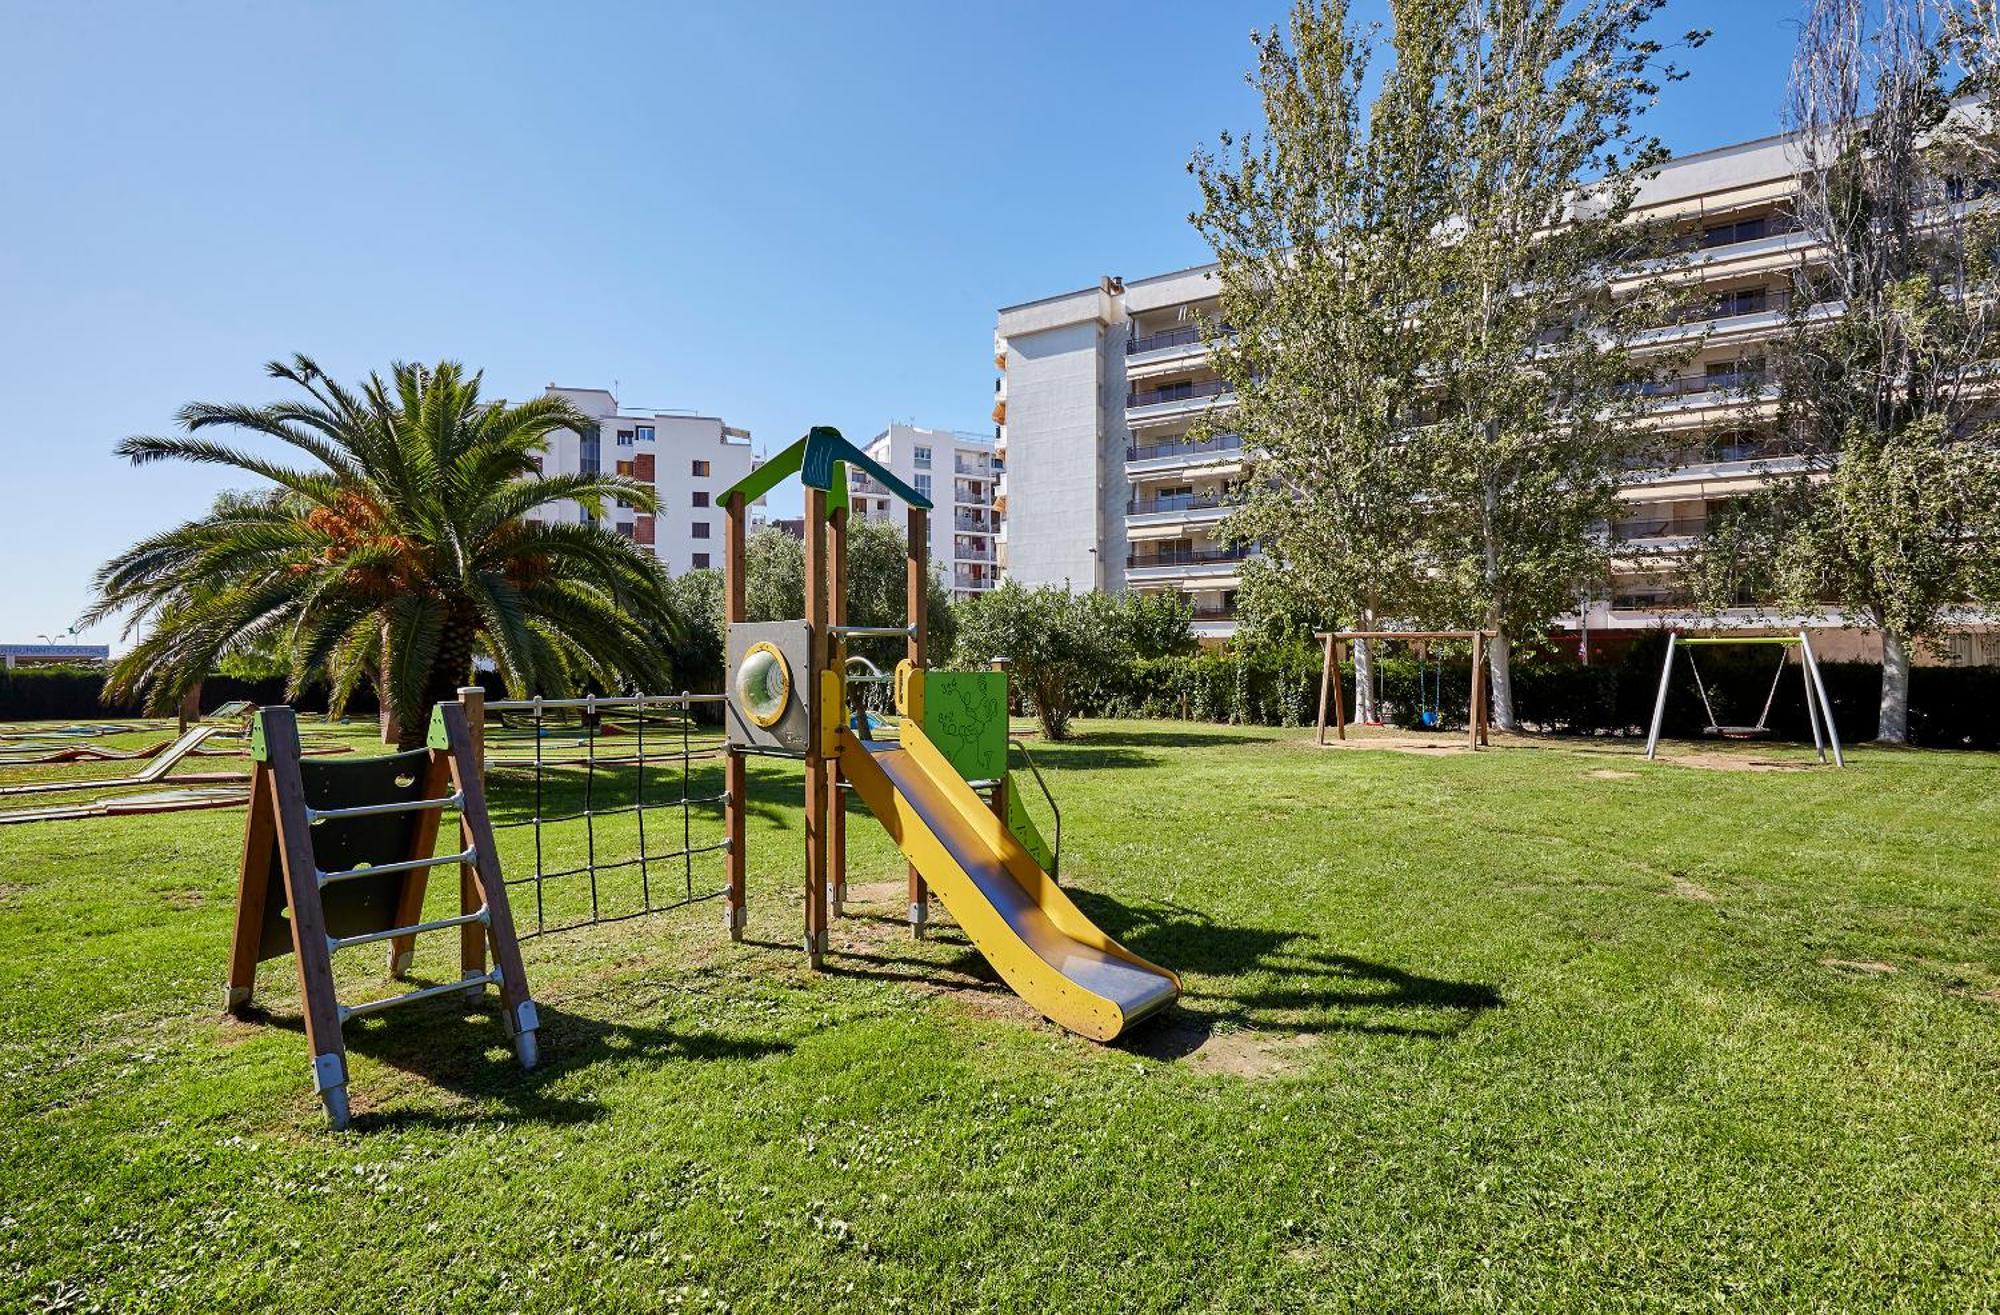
<point>451,669</point>
<point>1500,670</point>
<point>387,722</point>
<point>1364,682</point>
<point>190,709</point>
<point>1893,722</point>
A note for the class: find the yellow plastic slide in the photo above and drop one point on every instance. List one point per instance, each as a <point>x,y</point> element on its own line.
<point>1039,942</point>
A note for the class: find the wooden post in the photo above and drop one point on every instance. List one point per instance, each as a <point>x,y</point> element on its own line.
<point>467,771</point>
<point>1474,713</point>
<point>836,802</point>
<point>736,772</point>
<point>1325,678</point>
<point>1339,708</point>
<point>917,591</point>
<point>251,886</point>
<point>310,947</point>
<point>817,620</point>
<point>471,937</point>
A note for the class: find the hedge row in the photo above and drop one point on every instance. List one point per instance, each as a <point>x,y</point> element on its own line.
<point>76,695</point>
<point>1951,707</point>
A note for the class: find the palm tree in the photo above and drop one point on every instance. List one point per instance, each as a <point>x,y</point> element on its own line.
<point>400,552</point>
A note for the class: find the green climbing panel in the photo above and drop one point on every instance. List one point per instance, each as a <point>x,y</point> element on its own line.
<point>1025,830</point>
<point>965,716</point>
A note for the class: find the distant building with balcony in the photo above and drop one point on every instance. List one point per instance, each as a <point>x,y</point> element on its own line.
<point>687,458</point>
<point>1100,389</point>
<point>960,474</point>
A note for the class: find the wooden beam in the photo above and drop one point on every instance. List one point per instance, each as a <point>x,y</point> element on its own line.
<point>253,885</point>
<point>836,802</point>
<point>310,947</point>
<point>736,770</point>
<point>1326,678</point>
<point>917,593</point>
<point>471,937</point>
<point>818,615</point>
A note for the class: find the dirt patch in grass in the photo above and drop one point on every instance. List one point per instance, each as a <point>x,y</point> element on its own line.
<point>1686,887</point>
<point>1611,774</point>
<point>1860,967</point>
<point>1729,762</point>
<point>9,890</point>
<point>1195,1042</point>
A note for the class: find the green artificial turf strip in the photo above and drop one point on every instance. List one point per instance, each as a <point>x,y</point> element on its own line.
<point>1538,1029</point>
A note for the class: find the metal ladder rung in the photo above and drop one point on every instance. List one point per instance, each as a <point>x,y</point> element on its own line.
<point>479,915</point>
<point>465,855</point>
<point>478,983</point>
<point>456,799</point>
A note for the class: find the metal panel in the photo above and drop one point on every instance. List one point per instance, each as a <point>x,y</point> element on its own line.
<point>791,732</point>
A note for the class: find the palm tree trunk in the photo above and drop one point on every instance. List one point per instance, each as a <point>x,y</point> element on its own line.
<point>449,671</point>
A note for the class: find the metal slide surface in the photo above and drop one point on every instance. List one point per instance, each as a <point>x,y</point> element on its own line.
<point>1041,944</point>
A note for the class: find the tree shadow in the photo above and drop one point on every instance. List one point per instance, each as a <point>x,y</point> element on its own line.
<point>1277,979</point>
<point>466,1051</point>
<point>1132,739</point>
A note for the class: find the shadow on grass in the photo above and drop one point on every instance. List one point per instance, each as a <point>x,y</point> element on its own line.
<point>1277,980</point>
<point>1200,734</point>
<point>468,1053</point>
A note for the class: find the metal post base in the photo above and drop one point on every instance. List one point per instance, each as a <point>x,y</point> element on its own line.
<point>401,964</point>
<point>920,914</point>
<point>330,1078</point>
<point>816,948</point>
<point>734,918</point>
<point>236,998</point>
<point>526,1049</point>
<point>836,900</point>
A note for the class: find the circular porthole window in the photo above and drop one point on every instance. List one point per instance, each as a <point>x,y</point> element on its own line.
<point>764,684</point>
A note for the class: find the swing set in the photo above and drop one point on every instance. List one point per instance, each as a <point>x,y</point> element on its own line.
<point>1819,713</point>
<point>1430,694</point>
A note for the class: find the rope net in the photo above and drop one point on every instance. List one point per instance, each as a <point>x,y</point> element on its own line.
<point>614,807</point>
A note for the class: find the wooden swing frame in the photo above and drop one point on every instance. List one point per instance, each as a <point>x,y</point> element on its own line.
<point>1334,652</point>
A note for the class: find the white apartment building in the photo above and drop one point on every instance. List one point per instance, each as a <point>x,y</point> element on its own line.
<point>1099,388</point>
<point>688,458</point>
<point>958,473</point>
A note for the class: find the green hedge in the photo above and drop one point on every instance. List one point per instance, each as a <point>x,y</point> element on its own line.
<point>1951,707</point>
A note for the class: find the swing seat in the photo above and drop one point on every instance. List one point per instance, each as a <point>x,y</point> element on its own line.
<point>1738,732</point>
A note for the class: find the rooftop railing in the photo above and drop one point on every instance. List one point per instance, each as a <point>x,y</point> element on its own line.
<point>1184,336</point>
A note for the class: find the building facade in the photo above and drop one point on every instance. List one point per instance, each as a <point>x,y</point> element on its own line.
<point>1099,389</point>
<point>688,459</point>
<point>958,473</point>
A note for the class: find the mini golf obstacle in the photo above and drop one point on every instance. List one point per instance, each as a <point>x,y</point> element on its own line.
<point>336,855</point>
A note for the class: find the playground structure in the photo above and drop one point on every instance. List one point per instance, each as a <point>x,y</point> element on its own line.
<point>1819,713</point>
<point>336,854</point>
<point>1335,652</point>
<point>790,693</point>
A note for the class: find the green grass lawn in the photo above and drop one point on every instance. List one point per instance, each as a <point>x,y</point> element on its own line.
<point>1538,1029</point>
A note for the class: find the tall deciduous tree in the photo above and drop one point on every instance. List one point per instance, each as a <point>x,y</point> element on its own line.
<point>1431,353</point>
<point>1885,374</point>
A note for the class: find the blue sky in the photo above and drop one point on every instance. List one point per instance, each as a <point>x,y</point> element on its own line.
<point>790,216</point>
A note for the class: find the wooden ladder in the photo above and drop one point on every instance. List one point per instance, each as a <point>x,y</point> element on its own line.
<point>373,823</point>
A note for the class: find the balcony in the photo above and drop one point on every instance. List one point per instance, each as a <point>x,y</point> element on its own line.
<point>1218,445</point>
<point>1692,385</point>
<point>1212,613</point>
<point>961,553</point>
<point>1658,527</point>
<point>971,523</point>
<point>1141,561</point>
<point>1729,305</point>
<point>1174,502</point>
<point>1153,342</point>
<point>963,579</point>
<point>979,467</point>
<point>1183,392</point>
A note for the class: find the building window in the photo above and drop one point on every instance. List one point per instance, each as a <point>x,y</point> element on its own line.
<point>923,458</point>
<point>701,470</point>
<point>701,529</point>
<point>624,438</point>
<point>924,485</point>
<point>645,433</point>
<point>701,561</point>
<point>537,463</point>
<point>627,529</point>
<point>701,497</point>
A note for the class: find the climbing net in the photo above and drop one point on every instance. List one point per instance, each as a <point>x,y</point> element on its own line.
<point>578,789</point>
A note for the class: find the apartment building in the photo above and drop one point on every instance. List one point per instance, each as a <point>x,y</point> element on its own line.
<point>959,474</point>
<point>687,458</point>
<point>1099,389</point>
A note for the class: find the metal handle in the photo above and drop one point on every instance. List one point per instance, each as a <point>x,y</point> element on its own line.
<point>1055,856</point>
